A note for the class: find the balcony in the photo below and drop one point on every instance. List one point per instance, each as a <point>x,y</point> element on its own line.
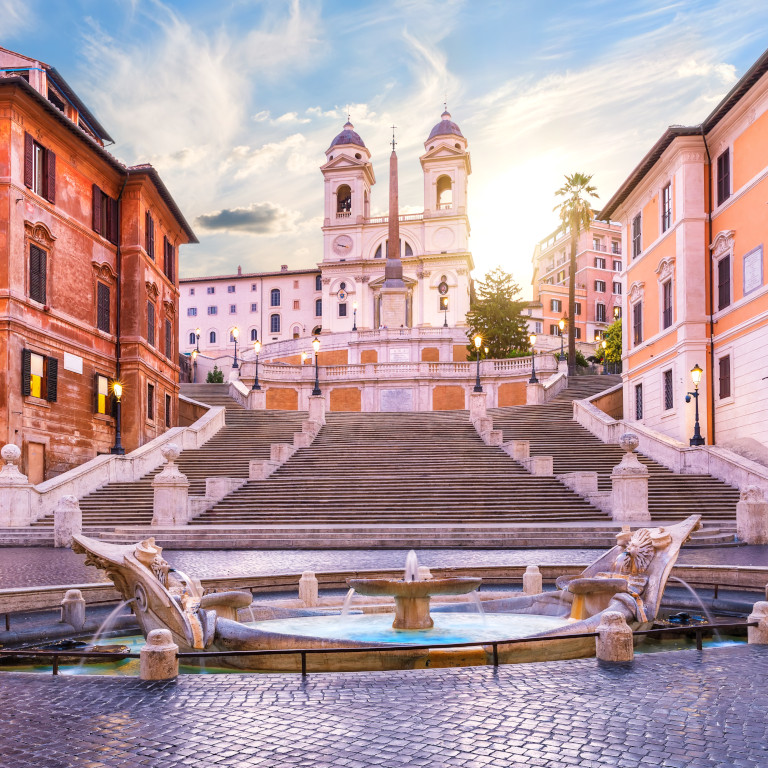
<point>402,217</point>
<point>343,214</point>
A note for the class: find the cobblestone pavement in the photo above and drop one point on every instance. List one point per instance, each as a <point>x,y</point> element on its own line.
<point>35,566</point>
<point>674,710</point>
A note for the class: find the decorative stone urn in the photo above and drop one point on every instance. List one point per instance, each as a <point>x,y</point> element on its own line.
<point>629,484</point>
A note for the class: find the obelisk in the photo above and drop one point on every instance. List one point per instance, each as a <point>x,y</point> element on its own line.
<point>393,303</point>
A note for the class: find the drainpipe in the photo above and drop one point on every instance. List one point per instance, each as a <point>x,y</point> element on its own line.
<point>118,268</point>
<point>710,287</point>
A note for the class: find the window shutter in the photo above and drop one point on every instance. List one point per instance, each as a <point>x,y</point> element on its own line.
<point>165,254</point>
<point>168,340</point>
<point>95,392</point>
<point>152,238</point>
<point>112,214</point>
<point>52,379</point>
<point>50,180</point>
<point>26,372</point>
<point>29,148</point>
<point>37,265</point>
<point>151,323</point>
<point>102,308</point>
<point>97,193</point>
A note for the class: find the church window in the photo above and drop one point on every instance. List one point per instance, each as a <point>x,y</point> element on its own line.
<point>274,297</point>
<point>343,309</point>
<point>318,307</point>
<point>274,323</point>
<point>317,330</point>
<point>344,199</point>
<point>318,283</point>
<point>192,337</point>
<point>444,193</point>
<point>254,334</point>
<point>212,337</point>
<point>406,247</point>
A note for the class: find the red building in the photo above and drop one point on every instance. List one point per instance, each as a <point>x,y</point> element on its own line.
<point>88,280</point>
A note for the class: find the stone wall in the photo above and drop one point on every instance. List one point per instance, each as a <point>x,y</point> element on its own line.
<point>282,399</point>
<point>346,399</point>
<point>512,393</point>
<point>448,398</point>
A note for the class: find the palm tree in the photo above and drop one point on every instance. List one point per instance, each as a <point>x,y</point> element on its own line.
<point>576,216</point>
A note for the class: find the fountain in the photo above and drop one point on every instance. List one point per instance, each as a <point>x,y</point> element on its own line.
<point>629,579</point>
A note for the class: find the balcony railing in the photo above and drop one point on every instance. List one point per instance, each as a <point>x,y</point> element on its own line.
<point>402,217</point>
<point>343,214</point>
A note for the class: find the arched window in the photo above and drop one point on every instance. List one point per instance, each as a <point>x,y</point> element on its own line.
<point>296,332</point>
<point>405,249</point>
<point>254,334</point>
<point>343,199</point>
<point>192,338</point>
<point>317,330</point>
<point>444,193</point>
<point>231,337</point>
<point>408,250</point>
<point>212,337</point>
<point>318,307</point>
<point>274,297</point>
<point>377,255</point>
<point>318,283</point>
<point>274,323</point>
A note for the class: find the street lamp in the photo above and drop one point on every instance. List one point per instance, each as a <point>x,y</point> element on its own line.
<point>533,379</point>
<point>194,366</point>
<point>561,326</point>
<point>304,357</point>
<point>604,345</point>
<point>354,315</point>
<point>235,334</point>
<point>696,372</point>
<point>256,349</point>
<point>478,342</point>
<point>197,340</point>
<point>444,300</point>
<point>316,347</point>
<point>117,391</point>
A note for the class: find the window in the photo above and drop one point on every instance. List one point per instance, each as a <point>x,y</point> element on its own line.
<point>343,201</point>
<point>638,402</point>
<point>210,290</point>
<point>723,177</point>
<point>637,323</point>
<point>192,338</point>
<point>213,310</point>
<point>191,291</point>
<point>230,289</point>
<point>102,307</point>
<point>600,313</point>
<point>37,273</point>
<point>212,337</point>
<point>295,303</point>
<point>666,208</point>
<point>666,304</point>
<point>577,333</point>
<point>555,305</point>
<point>254,307</point>
<point>100,394</point>
<point>444,193</point>
<point>39,376</point>
<point>104,215</point>
<point>318,283</point>
<point>600,286</point>
<point>616,312</point>
<point>274,297</point>
<point>724,366</point>
<point>295,284</point>
<point>39,169</point>
<point>615,247</point>
<point>561,276</point>
<point>616,266</point>
<point>274,323</point>
<point>637,236</point>
<point>617,288</point>
<point>151,402</point>
<point>538,327</point>
<point>168,411</point>
<point>233,309</point>
<point>599,262</point>
<point>168,340</point>
<point>169,259</point>
<point>254,334</point>
<point>342,309</point>
<point>149,240</point>
<point>191,311</point>
<point>253,286</point>
<point>318,307</point>
<point>597,244</point>
<point>668,399</point>
<point>342,286</point>
<point>554,330</point>
<point>151,323</point>
<point>577,308</point>
<point>724,282</point>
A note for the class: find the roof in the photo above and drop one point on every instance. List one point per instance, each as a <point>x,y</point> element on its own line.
<point>347,136</point>
<point>85,113</point>
<point>248,275</point>
<point>446,127</point>
<point>750,77</point>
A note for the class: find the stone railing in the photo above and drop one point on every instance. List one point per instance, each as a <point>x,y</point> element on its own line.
<point>97,472</point>
<point>677,456</point>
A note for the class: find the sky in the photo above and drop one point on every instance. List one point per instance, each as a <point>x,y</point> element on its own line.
<point>235,102</point>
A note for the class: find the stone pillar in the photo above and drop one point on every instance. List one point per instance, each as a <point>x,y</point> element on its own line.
<point>73,608</point>
<point>67,521</point>
<point>532,584</point>
<point>477,406</point>
<point>534,394</point>
<point>317,408</point>
<point>308,589</point>
<point>15,490</point>
<point>758,635</point>
<point>171,491</point>
<point>281,452</point>
<point>541,466</point>
<point>752,516</point>
<point>562,366</point>
<point>614,640</point>
<point>518,449</point>
<point>257,400</point>
<point>157,659</point>
<point>629,482</point>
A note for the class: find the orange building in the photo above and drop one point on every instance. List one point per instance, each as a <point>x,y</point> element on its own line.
<point>88,280</point>
<point>695,227</point>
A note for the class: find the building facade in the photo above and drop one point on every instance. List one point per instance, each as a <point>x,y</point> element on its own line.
<point>88,287</point>
<point>695,227</point>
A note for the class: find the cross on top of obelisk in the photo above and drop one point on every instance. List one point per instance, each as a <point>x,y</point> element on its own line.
<point>393,137</point>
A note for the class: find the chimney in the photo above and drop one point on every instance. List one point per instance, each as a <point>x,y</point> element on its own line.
<point>283,267</point>
<point>239,270</point>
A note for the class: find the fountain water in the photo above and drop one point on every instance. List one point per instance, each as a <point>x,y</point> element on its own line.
<point>701,605</point>
<point>347,602</point>
<point>411,567</point>
<point>106,626</point>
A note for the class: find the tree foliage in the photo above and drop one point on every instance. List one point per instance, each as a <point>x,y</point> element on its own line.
<point>496,314</point>
<point>216,376</point>
<point>613,344</point>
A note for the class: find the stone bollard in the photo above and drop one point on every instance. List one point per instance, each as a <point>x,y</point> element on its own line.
<point>308,589</point>
<point>15,490</point>
<point>171,491</point>
<point>73,608</point>
<point>518,449</point>
<point>317,408</point>
<point>158,657</point>
<point>629,484</point>
<point>67,521</point>
<point>534,394</point>
<point>477,409</point>
<point>614,640</point>
<point>257,400</point>
<point>758,635</point>
<point>752,516</point>
<point>532,584</point>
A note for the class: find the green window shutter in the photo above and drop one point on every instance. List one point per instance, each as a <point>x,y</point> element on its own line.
<point>52,379</point>
<point>26,372</point>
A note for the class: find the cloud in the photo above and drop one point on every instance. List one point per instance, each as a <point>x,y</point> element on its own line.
<point>260,117</point>
<point>16,17</point>
<point>246,160</point>
<point>256,219</point>
<point>290,117</point>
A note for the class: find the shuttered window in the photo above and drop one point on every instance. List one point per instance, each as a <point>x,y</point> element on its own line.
<point>637,323</point>
<point>637,236</point>
<point>37,273</point>
<point>724,282</point>
<point>723,177</point>
<point>100,394</point>
<point>151,323</point>
<point>149,235</point>
<point>102,307</point>
<point>39,376</point>
<point>725,376</point>
<point>666,317</point>
<point>168,340</point>
<point>151,402</point>
<point>105,215</point>
<point>668,394</point>
<point>169,259</point>
<point>638,402</point>
<point>168,414</point>
<point>39,169</point>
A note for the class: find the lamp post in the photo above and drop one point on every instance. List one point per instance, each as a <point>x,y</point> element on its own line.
<point>197,340</point>
<point>696,372</point>
<point>117,391</point>
<point>478,343</point>
<point>316,347</point>
<point>235,334</point>
<point>604,345</point>
<point>354,315</point>
<point>561,326</point>
<point>194,366</point>
<point>256,349</point>
<point>445,311</point>
<point>533,379</point>
<point>304,357</point>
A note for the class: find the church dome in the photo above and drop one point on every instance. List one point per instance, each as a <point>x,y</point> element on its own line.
<point>348,136</point>
<point>446,127</point>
